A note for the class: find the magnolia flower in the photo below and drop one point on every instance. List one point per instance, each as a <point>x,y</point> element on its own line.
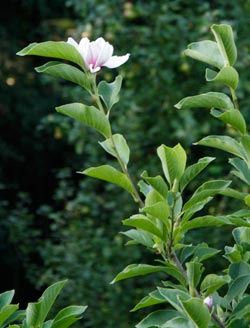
<point>208,301</point>
<point>98,53</point>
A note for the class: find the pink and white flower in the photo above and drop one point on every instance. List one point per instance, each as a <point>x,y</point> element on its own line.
<point>208,301</point>
<point>98,53</point>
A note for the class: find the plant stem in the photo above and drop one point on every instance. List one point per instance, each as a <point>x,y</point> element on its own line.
<point>217,320</point>
<point>183,271</point>
<point>172,255</point>
<point>112,144</point>
<point>234,97</point>
<point>125,171</point>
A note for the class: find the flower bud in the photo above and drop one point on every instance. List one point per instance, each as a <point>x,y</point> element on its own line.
<point>208,301</point>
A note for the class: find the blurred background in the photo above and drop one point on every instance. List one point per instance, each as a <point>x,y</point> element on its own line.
<point>57,224</point>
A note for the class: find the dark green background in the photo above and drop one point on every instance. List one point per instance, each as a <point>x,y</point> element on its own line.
<point>55,223</point>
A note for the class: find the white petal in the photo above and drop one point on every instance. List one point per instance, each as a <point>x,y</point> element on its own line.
<point>98,44</point>
<point>95,69</point>
<point>105,54</point>
<point>84,48</point>
<point>73,42</point>
<point>116,61</point>
<point>95,48</point>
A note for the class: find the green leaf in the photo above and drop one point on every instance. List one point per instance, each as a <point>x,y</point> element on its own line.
<point>212,185</point>
<point>240,274</point>
<point>213,282</point>
<point>144,187</point>
<point>58,49</point>
<point>192,171</point>
<point>169,283</point>
<point>232,117</point>
<point>67,316</point>
<point>247,200</point>
<point>157,183</point>
<point>6,298</point>
<point>173,162</point>
<point>207,189</point>
<point>194,271</point>
<point>233,254</point>
<point>205,51</point>
<point>224,37</point>
<point>134,270</point>
<point>243,172</point>
<point>202,252</point>
<point>239,222</point>
<point>186,252</point>
<point>88,115</point>
<point>157,319</point>
<point>172,296</point>
<point>109,92</point>
<point>66,72</point>
<point>121,147</point>
<point>152,198</point>
<point>174,272</point>
<point>244,304</point>
<point>205,221</point>
<point>196,207</point>
<point>37,312</point>
<point>139,237</point>
<point>241,235</point>
<point>197,311</point>
<point>109,174</point>
<point>16,316</point>
<point>179,323</point>
<point>6,312</point>
<point>239,323</point>
<point>245,142</point>
<point>238,287</point>
<point>153,298</point>
<point>227,75</point>
<point>142,222</point>
<point>159,210</point>
<point>239,269</point>
<point>206,100</point>
<point>229,192</point>
<point>224,143</point>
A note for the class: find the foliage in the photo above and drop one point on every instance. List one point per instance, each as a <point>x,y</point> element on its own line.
<point>165,214</point>
<point>35,314</point>
<point>48,202</point>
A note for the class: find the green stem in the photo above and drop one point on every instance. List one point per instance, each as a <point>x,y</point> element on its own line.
<point>125,171</point>
<point>182,270</point>
<point>170,239</point>
<point>234,97</point>
<point>172,255</point>
<point>112,144</point>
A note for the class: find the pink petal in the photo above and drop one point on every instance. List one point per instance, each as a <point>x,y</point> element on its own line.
<point>116,61</point>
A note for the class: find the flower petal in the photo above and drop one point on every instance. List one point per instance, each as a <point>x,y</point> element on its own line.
<point>73,43</point>
<point>94,69</point>
<point>84,48</point>
<point>116,61</point>
<point>104,54</point>
<point>97,53</point>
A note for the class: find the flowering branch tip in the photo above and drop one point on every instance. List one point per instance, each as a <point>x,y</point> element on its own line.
<point>97,54</point>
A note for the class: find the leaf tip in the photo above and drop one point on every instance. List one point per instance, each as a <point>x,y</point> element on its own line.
<point>80,172</point>
<point>178,105</point>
